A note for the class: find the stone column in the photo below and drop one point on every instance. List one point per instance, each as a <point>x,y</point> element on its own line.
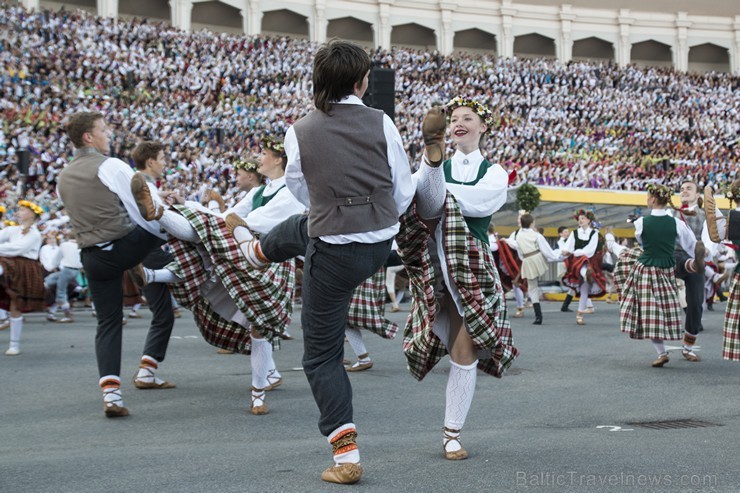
<point>564,45</point>
<point>182,11</point>
<point>681,47</point>
<point>735,49</point>
<point>317,28</point>
<point>383,28</point>
<point>253,24</point>
<point>506,41</point>
<point>31,4</point>
<point>446,36</point>
<point>623,50</point>
<point>108,8</point>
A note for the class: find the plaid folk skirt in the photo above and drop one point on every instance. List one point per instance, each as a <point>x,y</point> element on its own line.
<point>573,279</point>
<point>648,304</point>
<point>471,268</point>
<point>509,267</point>
<point>22,284</point>
<point>622,268</point>
<point>264,297</point>
<point>367,307</point>
<point>731,330</point>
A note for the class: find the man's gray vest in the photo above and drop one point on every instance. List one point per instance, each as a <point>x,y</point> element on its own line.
<point>344,159</point>
<point>95,212</point>
<point>695,224</point>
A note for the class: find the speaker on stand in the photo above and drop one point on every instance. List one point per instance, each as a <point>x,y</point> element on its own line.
<point>381,91</point>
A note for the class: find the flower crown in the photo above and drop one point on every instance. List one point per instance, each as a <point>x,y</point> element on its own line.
<point>274,145</point>
<point>583,212</point>
<point>732,191</point>
<point>35,208</point>
<point>8,222</point>
<point>246,165</point>
<point>660,191</point>
<point>3,210</point>
<point>480,110</point>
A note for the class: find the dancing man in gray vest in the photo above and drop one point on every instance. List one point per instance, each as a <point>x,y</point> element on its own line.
<point>690,268</point>
<point>347,164</point>
<point>113,237</point>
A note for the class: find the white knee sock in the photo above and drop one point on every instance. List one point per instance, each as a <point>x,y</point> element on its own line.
<point>3,313</point>
<point>583,302</point>
<point>430,191</point>
<point>659,346</point>
<point>354,336</point>
<point>519,297</point>
<point>161,275</point>
<point>242,234</point>
<point>459,396</point>
<point>178,226</point>
<point>16,327</point>
<point>261,362</point>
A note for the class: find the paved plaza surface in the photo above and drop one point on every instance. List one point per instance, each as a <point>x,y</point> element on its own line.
<point>563,419</point>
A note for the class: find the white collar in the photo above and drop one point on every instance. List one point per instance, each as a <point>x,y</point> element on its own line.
<point>351,99</point>
<point>474,158</point>
<point>660,212</point>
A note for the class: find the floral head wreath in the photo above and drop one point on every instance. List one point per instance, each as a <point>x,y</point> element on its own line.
<point>732,191</point>
<point>8,222</point>
<point>3,210</point>
<point>274,145</point>
<point>480,110</point>
<point>35,208</point>
<point>246,165</point>
<point>660,191</point>
<point>583,212</point>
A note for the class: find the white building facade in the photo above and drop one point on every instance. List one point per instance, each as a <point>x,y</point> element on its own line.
<point>700,38</point>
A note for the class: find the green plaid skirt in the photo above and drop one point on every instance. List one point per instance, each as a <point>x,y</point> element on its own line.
<point>648,303</point>
<point>731,330</point>
<point>471,268</point>
<point>265,297</point>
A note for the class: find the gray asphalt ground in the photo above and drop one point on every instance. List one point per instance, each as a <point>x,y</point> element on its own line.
<point>560,421</point>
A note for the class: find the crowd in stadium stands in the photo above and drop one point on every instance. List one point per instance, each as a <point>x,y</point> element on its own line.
<point>211,98</point>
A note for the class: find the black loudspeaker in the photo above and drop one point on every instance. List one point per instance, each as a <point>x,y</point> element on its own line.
<point>23,161</point>
<point>381,91</point>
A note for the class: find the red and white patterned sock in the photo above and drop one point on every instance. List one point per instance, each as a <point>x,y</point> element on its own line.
<point>344,444</point>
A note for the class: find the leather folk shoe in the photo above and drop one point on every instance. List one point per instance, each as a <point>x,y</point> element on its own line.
<point>149,210</point>
<point>662,360</point>
<point>114,411</point>
<point>360,366</point>
<point>433,132</point>
<point>347,473</point>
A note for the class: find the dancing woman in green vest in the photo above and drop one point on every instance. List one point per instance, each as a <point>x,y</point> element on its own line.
<point>458,305</point>
<point>648,306</point>
<point>236,308</point>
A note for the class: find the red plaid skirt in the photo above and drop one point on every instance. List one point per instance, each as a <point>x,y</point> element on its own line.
<point>509,267</point>
<point>573,278</point>
<point>22,284</point>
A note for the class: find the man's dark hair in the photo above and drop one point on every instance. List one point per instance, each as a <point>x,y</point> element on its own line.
<point>337,67</point>
<point>81,123</point>
<point>562,228</point>
<point>527,220</point>
<point>144,151</point>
